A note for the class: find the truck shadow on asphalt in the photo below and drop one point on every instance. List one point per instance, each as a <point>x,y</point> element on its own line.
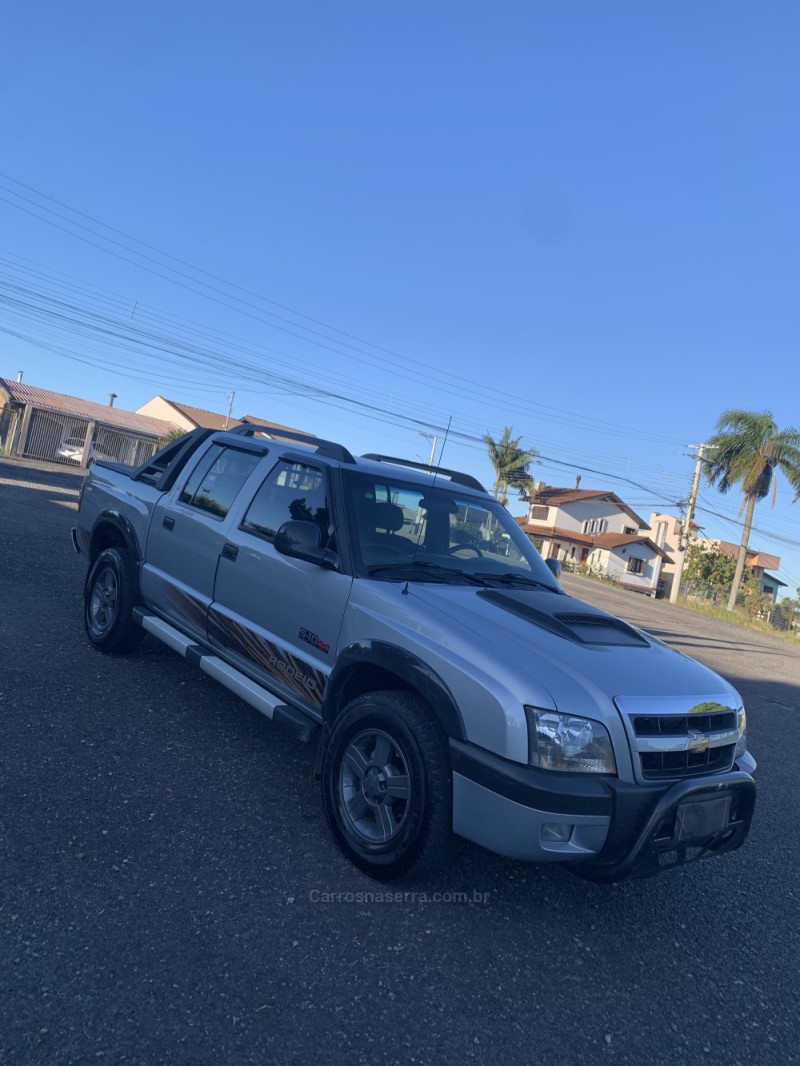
<point>474,877</point>
<point>677,638</point>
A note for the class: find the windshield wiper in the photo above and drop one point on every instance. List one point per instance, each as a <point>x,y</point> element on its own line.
<point>421,570</point>
<point>520,579</point>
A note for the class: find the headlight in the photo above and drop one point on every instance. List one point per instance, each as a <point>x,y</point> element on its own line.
<point>741,725</point>
<point>568,742</point>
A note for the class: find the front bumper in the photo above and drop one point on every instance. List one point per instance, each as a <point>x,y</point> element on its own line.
<point>605,828</point>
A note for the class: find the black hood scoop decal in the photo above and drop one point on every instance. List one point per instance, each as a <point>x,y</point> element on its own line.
<point>583,625</point>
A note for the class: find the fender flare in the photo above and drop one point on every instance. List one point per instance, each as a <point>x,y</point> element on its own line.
<point>414,673</point>
<point>123,525</point>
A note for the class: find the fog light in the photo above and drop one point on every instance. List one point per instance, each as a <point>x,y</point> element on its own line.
<point>557,831</point>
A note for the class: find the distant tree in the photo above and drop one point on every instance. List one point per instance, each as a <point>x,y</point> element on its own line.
<point>747,450</point>
<point>708,571</point>
<point>168,438</point>
<point>510,462</point>
<point>785,614</point>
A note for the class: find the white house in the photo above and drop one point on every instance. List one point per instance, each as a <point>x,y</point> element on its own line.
<point>595,529</point>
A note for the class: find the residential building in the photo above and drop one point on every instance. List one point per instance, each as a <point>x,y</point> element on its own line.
<point>187,418</point>
<point>595,529</point>
<point>666,533</point>
<point>41,424</point>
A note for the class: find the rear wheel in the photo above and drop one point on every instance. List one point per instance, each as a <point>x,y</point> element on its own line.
<point>387,785</point>
<point>110,595</point>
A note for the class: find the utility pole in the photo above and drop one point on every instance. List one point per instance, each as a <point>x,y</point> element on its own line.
<point>686,525</point>
<point>230,408</point>
<point>427,436</point>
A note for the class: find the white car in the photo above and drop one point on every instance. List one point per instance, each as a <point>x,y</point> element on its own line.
<point>72,449</point>
<point>73,452</point>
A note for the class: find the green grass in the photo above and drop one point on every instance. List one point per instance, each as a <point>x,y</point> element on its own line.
<point>737,617</point>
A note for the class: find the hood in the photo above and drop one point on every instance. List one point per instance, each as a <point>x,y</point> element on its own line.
<point>581,655</point>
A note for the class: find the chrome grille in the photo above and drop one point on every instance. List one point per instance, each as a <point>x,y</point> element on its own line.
<point>679,745</point>
<point>676,725</point>
<point>661,764</point>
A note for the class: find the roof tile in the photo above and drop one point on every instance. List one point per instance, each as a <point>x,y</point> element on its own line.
<point>115,417</point>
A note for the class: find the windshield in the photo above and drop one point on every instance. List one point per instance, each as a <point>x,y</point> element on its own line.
<point>404,531</point>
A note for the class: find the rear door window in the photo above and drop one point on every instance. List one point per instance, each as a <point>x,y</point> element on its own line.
<point>215,482</point>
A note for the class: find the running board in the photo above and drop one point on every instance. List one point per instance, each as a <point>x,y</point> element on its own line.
<point>283,715</point>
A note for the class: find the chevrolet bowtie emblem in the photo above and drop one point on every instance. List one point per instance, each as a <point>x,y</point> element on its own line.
<point>698,741</point>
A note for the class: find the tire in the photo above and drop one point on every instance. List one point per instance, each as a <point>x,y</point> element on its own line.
<point>110,595</point>
<point>389,830</point>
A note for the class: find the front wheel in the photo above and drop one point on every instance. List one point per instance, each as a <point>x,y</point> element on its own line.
<point>109,598</point>
<point>387,785</point>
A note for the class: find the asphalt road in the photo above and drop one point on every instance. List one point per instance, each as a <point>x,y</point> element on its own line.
<point>169,892</point>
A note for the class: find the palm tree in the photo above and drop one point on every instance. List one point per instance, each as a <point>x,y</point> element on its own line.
<point>747,450</point>
<point>510,462</point>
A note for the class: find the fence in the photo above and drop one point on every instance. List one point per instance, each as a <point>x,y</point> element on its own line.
<point>55,437</point>
<point>62,439</point>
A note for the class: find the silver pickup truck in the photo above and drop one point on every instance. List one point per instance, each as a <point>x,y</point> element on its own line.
<point>398,615</point>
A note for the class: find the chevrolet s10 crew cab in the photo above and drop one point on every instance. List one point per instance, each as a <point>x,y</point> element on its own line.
<point>396,614</point>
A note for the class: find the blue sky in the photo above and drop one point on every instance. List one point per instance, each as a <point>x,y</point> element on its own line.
<point>578,219</point>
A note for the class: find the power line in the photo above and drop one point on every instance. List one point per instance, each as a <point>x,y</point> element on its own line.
<point>473,390</point>
<point>206,360</point>
<point>36,305</point>
<point>133,337</point>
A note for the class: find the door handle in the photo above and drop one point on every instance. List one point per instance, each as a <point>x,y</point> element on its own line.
<point>168,523</point>
<point>230,551</point>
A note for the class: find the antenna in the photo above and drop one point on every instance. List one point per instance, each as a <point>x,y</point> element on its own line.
<point>444,441</point>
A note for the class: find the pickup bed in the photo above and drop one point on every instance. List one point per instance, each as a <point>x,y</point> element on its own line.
<point>396,615</point>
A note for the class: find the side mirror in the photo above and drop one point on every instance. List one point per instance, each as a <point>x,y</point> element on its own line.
<point>554,566</point>
<point>300,540</point>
